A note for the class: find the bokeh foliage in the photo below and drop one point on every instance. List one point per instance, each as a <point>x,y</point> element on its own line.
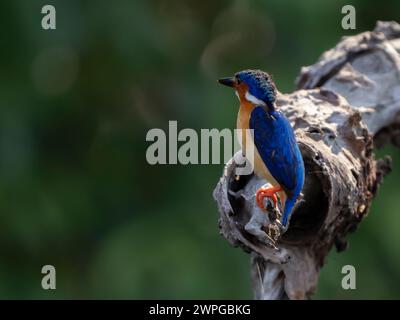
<point>75,106</point>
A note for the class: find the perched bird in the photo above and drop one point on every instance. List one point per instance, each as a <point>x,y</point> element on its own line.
<point>277,156</point>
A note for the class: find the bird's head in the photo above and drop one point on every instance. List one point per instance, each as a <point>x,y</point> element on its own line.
<point>254,87</point>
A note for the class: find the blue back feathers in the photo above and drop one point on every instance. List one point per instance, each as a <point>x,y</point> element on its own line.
<point>276,143</point>
<point>277,146</point>
<point>260,85</point>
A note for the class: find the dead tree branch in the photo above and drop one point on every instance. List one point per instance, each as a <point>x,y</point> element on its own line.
<point>344,103</point>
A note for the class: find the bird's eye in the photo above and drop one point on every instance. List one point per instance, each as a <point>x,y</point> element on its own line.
<point>238,81</point>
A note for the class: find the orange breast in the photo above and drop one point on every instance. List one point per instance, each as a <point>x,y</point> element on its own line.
<point>243,118</point>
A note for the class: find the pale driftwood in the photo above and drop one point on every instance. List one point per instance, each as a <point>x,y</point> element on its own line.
<point>346,102</point>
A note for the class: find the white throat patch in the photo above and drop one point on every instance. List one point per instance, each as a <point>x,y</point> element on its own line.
<point>249,97</point>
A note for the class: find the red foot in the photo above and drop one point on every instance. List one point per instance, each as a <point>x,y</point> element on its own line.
<point>267,193</point>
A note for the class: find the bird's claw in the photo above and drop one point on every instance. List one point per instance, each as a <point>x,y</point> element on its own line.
<point>275,228</point>
<point>268,193</point>
<point>271,227</point>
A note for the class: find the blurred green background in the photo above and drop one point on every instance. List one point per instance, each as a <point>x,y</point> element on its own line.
<point>75,106</point>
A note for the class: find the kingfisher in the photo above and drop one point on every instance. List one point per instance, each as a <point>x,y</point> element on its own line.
<point>277,157</point>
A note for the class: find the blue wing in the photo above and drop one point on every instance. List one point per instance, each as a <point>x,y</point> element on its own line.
<point>275,142</point>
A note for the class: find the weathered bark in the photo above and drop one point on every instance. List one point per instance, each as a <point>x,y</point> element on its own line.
<point>345,102</point>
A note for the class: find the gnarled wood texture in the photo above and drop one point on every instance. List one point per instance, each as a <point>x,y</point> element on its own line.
<point>344,103</point>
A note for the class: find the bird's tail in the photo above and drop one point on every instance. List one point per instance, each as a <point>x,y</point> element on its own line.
<point>287,211</point>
